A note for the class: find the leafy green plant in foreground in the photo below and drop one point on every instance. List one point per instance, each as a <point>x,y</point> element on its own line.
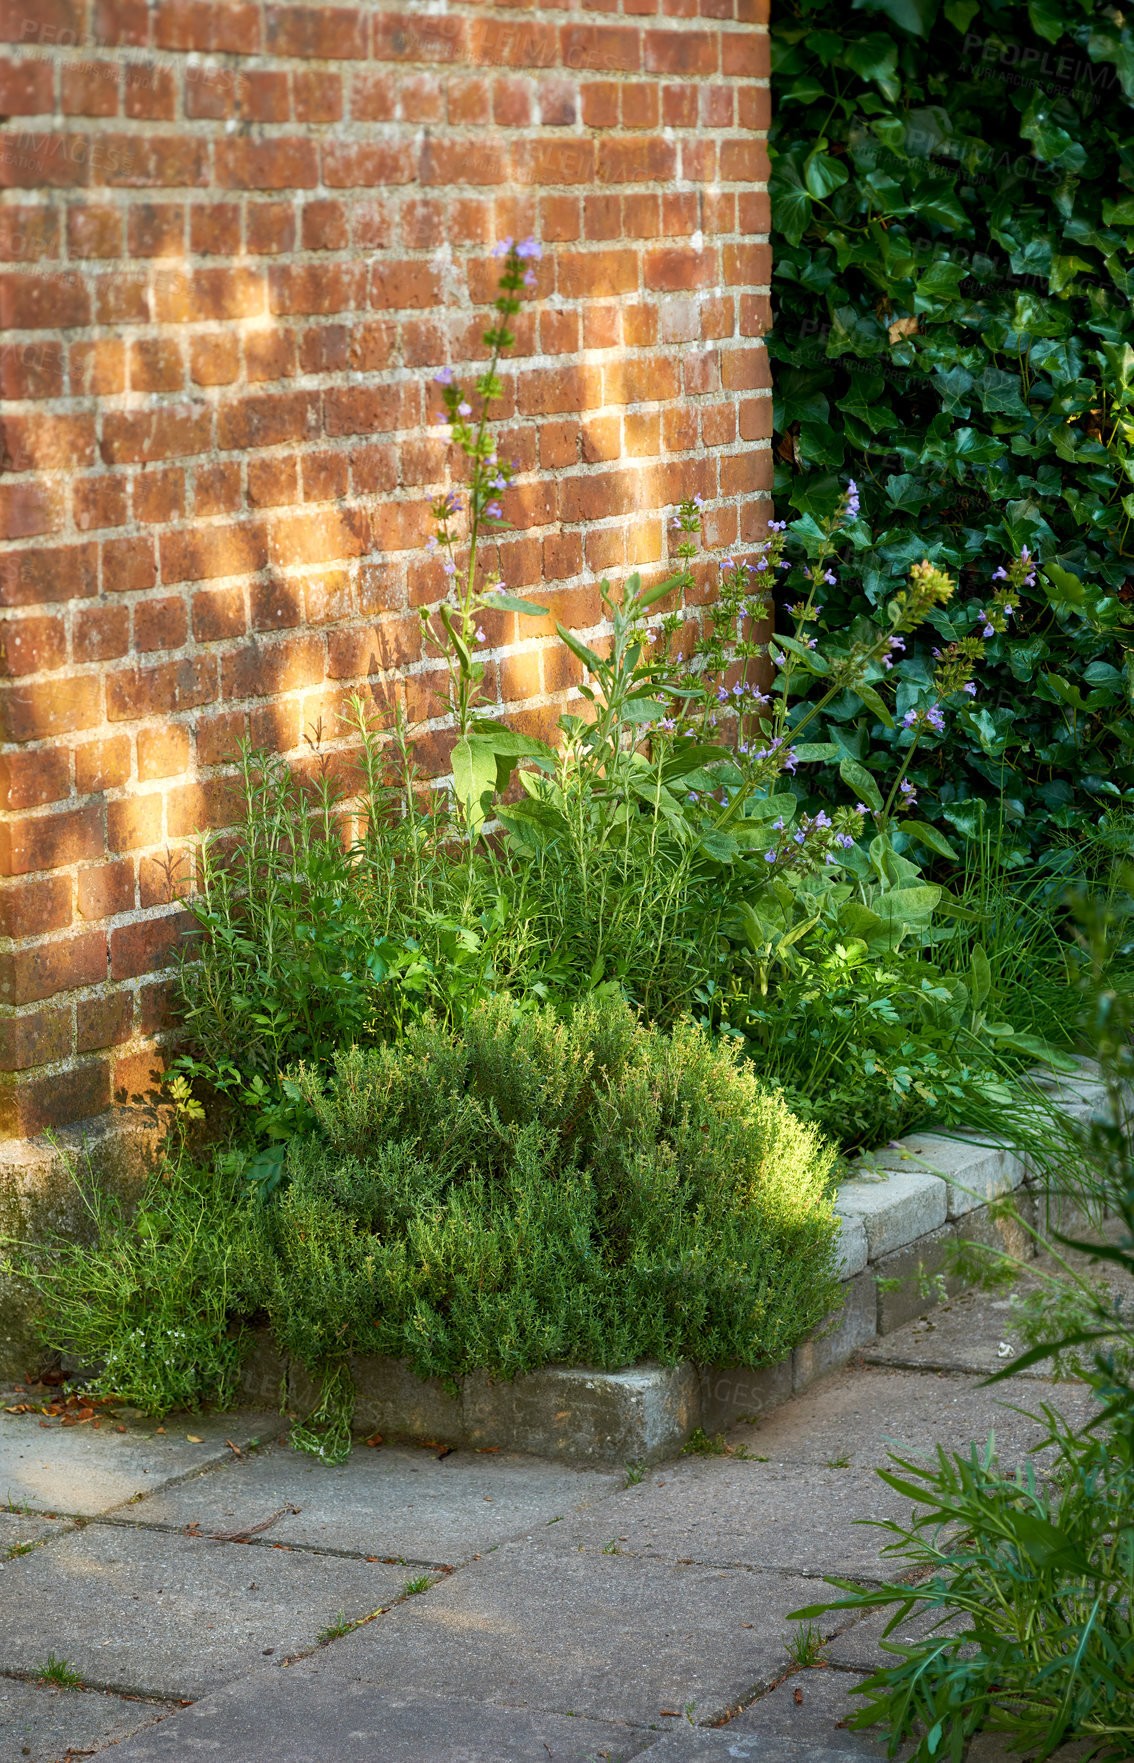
<point>1031,1575</point>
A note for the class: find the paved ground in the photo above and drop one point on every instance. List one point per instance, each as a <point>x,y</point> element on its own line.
<point>504,1609</point>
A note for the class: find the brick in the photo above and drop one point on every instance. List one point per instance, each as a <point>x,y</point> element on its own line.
<point>635,381</point>
<point>156,364</point>
<point>315,287</point>
<point>744,162</point>
<point>103,1022</point>
<point>223,26</point>
<point>208,552</point>
<point>25,88</point>
<point>635,161</point>
<point>159,496</point>
<point>594,274</point>
<point>98,367</point>
<point>139,437</point>
<point>32,909</point>
<point>128,565</point>
<point>94,231</point>
<point>43,302</point>
<point>278,164</point>
<point>270,420</point>
<point>153,97</point>
<point>401,36</point>
<point>42,970</point>
<point>502,43</point>
<point>214,229</point>
<point>324,226</point>
<point>367,164</point>
<point>273,481</point>
<point>318,97</point>
<point>746,54</point>
<point>133,821</point>
<point>28,780</point>
<point>106,890</point>
<point>102,765</point>
<point>270,228</point>
<point>317,536</point>
<point>277,605</point>
<point>40,1037</point>
<point>100,633</point>
<point>32,645</point>
<point>161,689</point>
<point>755,417</point>
<point>155,1008</point>
<point>321,33</point>
<point>691,53</point>
<point>160,624</point>
<point>150,946</point>
<point>219,615</point>
<point>49,707</point>
<point>261,670</point>
<point>745,370</point>
<point>600,48</point>
<point>31,370</point>
<point>55,1100</point>
<point>216,802</point>
<point>555,162</point>
<point>355,653</point>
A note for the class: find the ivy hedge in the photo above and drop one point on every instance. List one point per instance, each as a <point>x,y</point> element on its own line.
<point>953,217</point>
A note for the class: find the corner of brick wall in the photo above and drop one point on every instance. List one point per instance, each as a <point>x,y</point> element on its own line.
<point>235,241</point>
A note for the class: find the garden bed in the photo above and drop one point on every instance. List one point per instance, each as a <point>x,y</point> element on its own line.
<point>902,1211</point>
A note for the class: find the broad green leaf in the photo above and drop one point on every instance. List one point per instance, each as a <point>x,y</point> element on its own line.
<point>857,778</point>
<point>579,649</point>
<point>513,603</point>
<point>929,837</point>
<point>873,702</point>
<point>980,975</point>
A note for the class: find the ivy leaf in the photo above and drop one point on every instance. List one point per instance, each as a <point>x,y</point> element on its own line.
<point>875,58</point>
<point>1048,18</point>
<point>914,16</point>
<point>791,203</point>
<point>823,175</point>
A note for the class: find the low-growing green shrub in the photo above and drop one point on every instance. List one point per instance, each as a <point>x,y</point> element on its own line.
<point>531,1189</point>
<point>150,1305</point>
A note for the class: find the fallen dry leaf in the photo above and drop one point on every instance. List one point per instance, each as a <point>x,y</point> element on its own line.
<point>375,1438</point>
<point>191,1436</point>
<point>799,1698</point>
<point>902,327</point>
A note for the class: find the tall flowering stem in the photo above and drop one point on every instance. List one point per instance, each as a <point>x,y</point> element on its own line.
<point>455,625</point>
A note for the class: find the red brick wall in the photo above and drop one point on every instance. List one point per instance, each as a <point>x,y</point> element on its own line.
<point>237,239</point>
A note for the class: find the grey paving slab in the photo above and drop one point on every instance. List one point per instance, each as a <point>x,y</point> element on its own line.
<point>684,1745</point>
<point>78,1470</point>
<point>308,1715</point>
<point>724,1513</point>
<point>971,1331</point>
<point>41,1724</point>
<point>393,1500</point>
<point>865,1413</point>
<point>604,1636</point>
<point>18,1531</point>
<point>811,1708</point>
<point>167,1615</point>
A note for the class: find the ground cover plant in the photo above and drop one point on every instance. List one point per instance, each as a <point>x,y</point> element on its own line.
<point>952,201</point>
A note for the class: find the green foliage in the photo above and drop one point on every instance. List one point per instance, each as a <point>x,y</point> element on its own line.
<point>1041,1573</point>
<point>1031,1578</point>
<point>953,205</point>
<point>58,1672</point>
<point>530,1190</point>
<point>148,1304</point>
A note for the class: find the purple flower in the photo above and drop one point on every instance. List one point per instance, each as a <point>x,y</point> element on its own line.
<point>464,408</point>
<point>529,278</point>
<point>845,840</point>
<point>493,510</point>
<point>799,836</point>
<point>770,856</point>
<point>528,247</point>
<point>790,759</point>
<point>777,526</point>
<point>722,694</point>
<point>778,825</point>
<point>852,500</point>
<point>861,808</point>
<point>449,567</point>
<point>970,688</point>
<point>480,636</point>
<point>698,501</point>
<point>822,818</point>
<point>830,578</point>
<point>444,377</point>
<point>668,724</point>
<point>502,248</point>
<point>906,787</point>
<point>934,716</point>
